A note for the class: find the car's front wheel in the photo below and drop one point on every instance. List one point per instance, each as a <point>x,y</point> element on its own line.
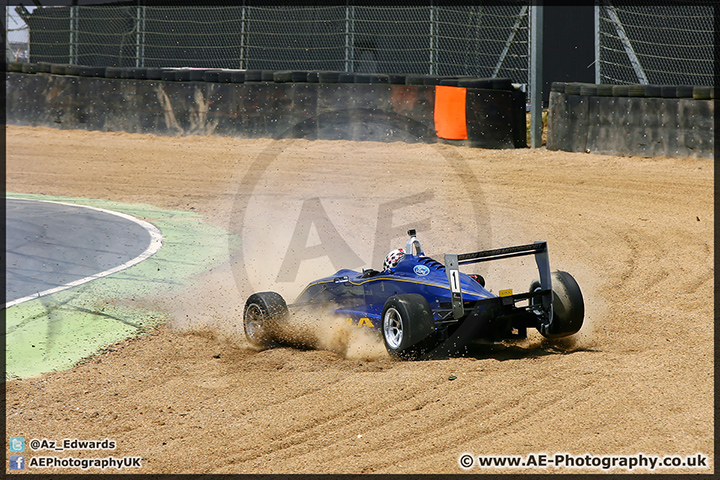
<point>264,312</point>
<point>408,326</point>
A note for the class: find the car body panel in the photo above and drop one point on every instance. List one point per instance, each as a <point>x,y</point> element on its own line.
<point>351,294</point>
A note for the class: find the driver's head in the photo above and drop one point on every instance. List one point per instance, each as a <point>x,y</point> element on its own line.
<point>393,258</point>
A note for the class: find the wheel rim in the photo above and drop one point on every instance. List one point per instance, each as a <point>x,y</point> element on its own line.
<point>393,328</point>
<point>533,302</point>
<point>254,323</point>
<point>539,310</point>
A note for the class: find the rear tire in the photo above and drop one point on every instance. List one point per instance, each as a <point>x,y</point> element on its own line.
<point>408,326</point>
<point>264,312</point>
<point>568,306</point>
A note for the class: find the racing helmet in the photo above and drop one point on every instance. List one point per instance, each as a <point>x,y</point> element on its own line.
<point>393,258</point>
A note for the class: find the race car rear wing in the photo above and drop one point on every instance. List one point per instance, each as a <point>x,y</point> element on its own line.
<point>454,260</point>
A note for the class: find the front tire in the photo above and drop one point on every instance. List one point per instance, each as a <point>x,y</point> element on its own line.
<point>568,306</point>
<point>264,312</point>
<point>408,326</point>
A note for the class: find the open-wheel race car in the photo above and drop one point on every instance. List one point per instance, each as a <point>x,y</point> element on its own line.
<point>418,304</point>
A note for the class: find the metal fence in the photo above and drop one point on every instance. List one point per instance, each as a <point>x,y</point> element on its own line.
<point>664,44</point>
<point>473,40</point>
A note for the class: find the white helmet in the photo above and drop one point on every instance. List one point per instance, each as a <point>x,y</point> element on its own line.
<point>393,258</point>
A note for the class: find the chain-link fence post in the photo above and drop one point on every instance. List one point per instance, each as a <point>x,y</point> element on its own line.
<point>139,36</point>
<point>8,52</point>
<point>535,75</point>
<point>433,40</point>
<point>74,31</point>
<point>243,39</point>
<point>597,42</point>
<point>349,38</point>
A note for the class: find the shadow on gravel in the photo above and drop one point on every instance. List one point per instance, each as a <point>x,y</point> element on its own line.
<point>505,352</point>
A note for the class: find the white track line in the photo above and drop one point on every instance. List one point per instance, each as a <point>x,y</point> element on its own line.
<point>155,245</point>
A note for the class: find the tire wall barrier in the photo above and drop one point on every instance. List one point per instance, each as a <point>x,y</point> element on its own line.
<point>312,105</point>
<point>632,120</point>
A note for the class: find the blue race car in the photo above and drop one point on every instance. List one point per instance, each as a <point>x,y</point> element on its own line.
<point>418,304</point>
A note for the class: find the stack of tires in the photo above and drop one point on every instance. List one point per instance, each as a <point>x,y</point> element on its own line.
<point>219,75</point>
<point>697,92</point>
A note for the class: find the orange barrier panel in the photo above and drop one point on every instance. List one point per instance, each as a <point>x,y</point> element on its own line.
<point>450,119</point>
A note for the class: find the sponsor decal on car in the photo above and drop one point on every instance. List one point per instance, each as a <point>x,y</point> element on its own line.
<point>421,270</point>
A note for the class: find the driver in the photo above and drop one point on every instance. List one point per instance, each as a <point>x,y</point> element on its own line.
<point>392,259</point>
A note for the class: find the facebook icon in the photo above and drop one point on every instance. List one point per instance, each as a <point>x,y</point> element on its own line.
<point>17,462</point>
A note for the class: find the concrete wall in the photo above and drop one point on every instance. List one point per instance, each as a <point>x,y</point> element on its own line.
<point>639,125</point>
<point>352,111</point>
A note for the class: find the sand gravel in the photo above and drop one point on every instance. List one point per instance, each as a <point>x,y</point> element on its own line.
<point>193,397</point>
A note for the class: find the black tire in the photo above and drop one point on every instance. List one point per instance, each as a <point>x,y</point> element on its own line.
<point>653,90</point>
<point>502,84</point>
<point>44,67</point>
<point>371,78</point>
<point>449,82</point>
<point>168,76</point>
<point>432,80</point>
<point>328,77</point>
<point>92,72</point>
<point>154,74</point>
<point>29,68</point>
<point>408,327</point>
<point>15,67</point>
<point>140,73</point>
<point>572,89</point>
<point>414,80</point>
<point>485,83</point>
<point>346,78</point>
<point>211,76</point>
<point>299,76</point>
<point>588,89</point>
<point>702,93</point>
<point>558,87</point>
<point>282,76</point>
<point>637,90</point>
<point>264,312</point>
<point>669,91</point>
<point>113,72</point>
<point>684,91</point>
<point>253,75</point>
<point>73,70</point>
<point>604,90</point>
<point>620,90</point>
<point>183,75</point>
<point>58,69</point>
<point>568,306</point>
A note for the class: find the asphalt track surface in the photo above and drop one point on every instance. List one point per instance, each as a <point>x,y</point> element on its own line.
<point>53,246</point>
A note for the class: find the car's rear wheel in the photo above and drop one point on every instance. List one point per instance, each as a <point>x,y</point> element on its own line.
<point>264,312</point>
<point>408,326</point>
<point>568,306</point>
